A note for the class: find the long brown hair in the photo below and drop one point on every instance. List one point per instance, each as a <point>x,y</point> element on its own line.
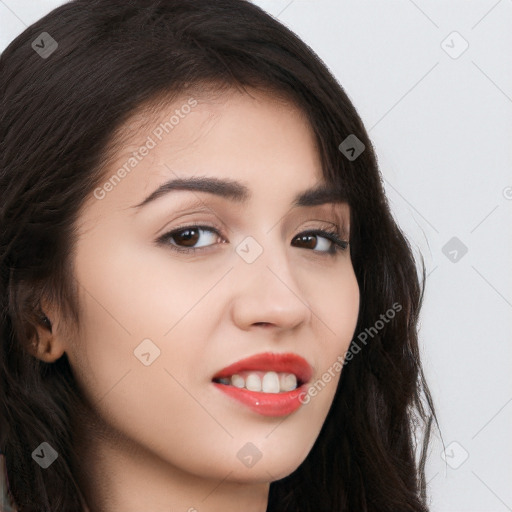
<point>57,118</point>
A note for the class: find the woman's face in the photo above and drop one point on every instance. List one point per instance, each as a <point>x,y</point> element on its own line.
<point>158,324</point>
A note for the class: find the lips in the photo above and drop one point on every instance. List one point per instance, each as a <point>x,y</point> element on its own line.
<point>267,403</point>
<point>269,361</point>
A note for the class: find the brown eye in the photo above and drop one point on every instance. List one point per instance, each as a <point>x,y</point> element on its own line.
<point>331,242</point>
<point>186,238</point>
<point>310,241</point>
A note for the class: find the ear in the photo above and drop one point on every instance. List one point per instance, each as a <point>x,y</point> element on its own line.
<point>48,343</point>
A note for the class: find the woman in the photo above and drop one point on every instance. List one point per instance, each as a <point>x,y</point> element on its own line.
<point>207,304</point>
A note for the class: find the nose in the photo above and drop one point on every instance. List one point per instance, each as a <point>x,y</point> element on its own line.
<point>267,294</point>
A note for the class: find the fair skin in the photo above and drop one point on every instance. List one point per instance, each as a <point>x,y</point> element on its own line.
<point>169,439</point>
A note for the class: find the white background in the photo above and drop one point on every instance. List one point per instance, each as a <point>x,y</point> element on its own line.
<point>442,128</point>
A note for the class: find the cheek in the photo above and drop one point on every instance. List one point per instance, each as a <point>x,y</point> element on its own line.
<point>133,291</point>
<point>341,304</point>
<point>136,356</point>
<point>142,328</point>
<point>334,301</point>
<point>336,307</point>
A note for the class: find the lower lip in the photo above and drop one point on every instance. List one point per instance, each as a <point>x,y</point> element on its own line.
<point>266,404</point>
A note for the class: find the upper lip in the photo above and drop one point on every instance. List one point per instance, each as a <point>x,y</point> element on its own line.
<point>269,361</point>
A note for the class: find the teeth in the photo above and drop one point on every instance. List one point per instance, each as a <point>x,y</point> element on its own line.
<point>288,381</point>
<point>236,381</point>
<point>253,382</point>
<point>266,382</point>
<point>270,383</point>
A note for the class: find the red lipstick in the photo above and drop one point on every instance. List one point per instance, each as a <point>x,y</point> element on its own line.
<point>268,404</point>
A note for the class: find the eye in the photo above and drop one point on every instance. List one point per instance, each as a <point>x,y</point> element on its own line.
<point>188,236</point>
<point>184,239</point>
<point>331,240</point>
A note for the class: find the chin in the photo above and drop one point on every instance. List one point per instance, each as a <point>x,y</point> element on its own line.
<point>269,471</point>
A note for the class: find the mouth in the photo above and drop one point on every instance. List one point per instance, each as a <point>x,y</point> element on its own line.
<point>269,384</point>
<point>262,381</point>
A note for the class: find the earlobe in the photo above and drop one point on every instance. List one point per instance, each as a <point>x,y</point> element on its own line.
<point>46,346</point>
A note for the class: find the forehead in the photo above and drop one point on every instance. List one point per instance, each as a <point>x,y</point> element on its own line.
<point>234,146</point>
<point>221,123</point>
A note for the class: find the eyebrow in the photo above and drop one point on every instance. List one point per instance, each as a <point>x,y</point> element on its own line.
<point>237,192</point>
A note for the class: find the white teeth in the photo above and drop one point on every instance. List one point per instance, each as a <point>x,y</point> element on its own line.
<point>253,382</point>
<point>269,382</point>
<point>237,381</point>
<point>288,382</point>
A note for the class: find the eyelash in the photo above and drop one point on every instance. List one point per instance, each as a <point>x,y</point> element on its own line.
<point>332,235</point>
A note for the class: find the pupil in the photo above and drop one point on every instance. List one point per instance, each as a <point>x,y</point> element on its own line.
<point>309,240</point>
<point>188,237</point>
